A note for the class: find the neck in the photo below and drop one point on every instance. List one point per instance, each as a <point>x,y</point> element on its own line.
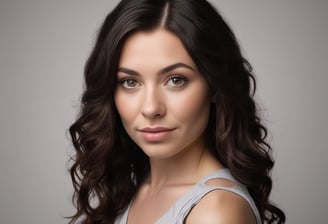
<point>188,167</point>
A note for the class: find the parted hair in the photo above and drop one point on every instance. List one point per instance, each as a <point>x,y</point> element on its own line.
<point>108,167</point>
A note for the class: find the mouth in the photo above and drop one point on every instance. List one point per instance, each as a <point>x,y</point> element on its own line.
<point>155,134</point>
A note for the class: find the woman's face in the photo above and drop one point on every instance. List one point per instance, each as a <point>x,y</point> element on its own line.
<point>161,98</point>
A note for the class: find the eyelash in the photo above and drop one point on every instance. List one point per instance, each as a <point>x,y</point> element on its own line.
<point>181,78</point>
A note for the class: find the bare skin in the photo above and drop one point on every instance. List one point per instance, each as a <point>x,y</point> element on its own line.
<point>164,103</point>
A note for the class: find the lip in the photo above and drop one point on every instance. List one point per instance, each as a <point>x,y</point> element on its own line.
<point>155,134</point>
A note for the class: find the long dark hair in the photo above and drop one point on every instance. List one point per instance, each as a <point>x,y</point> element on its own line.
<point>108,166</point>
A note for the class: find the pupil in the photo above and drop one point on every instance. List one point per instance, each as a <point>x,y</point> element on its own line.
<point>176,81</point>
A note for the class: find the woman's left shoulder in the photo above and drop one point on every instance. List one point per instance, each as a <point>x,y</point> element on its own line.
<point>220,207</point>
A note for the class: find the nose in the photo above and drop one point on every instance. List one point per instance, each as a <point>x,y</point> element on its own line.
<point>153,105</point>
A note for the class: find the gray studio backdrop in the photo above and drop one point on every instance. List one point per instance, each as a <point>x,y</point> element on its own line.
<point>43,47</point>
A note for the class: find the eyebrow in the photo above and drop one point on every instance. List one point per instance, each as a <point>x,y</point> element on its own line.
<point>162,71</point>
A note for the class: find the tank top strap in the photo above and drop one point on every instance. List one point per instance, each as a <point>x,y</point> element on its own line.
<point>182,207</point>
<point>221,174</point>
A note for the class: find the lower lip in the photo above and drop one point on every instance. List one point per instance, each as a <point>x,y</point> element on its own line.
<point>155,136</point>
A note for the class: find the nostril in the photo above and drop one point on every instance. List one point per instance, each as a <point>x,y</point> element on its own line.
<point>154,110</point>
<point>153,113</point>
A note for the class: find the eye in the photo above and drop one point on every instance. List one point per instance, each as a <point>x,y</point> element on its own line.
<point>129,83</point>
<point>176,81</point>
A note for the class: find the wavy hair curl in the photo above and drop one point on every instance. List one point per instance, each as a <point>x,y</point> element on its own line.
<point>108,167</point>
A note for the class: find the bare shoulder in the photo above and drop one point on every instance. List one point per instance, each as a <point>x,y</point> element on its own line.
<point>221,207</point>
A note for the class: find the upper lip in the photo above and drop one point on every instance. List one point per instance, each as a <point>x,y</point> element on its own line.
<point>155,129</point>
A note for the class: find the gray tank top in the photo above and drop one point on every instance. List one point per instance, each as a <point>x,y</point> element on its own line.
<point>181,208</point>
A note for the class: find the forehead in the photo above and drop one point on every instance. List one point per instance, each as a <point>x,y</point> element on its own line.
<point>160,47</point>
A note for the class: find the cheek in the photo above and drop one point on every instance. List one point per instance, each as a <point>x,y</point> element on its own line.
<point>125,107</point>
<point>192,107</point>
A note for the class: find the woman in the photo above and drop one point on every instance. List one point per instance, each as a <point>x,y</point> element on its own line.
<point>168,130</point>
